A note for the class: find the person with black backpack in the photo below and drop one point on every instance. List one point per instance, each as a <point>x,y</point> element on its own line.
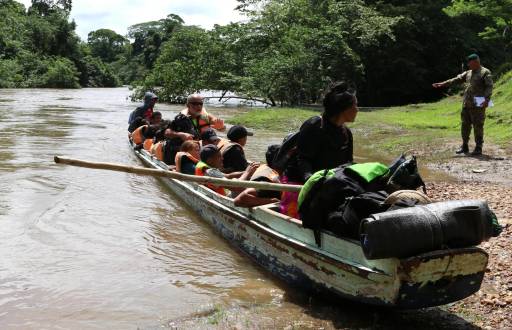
<point>179,130</point>
<point>324,141</point>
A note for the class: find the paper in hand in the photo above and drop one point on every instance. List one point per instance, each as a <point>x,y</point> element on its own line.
<point>479,100</point>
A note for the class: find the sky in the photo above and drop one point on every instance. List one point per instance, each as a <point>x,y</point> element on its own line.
<point>118,15</point>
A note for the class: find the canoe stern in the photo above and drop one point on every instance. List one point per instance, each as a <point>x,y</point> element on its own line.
<point>440,277</point>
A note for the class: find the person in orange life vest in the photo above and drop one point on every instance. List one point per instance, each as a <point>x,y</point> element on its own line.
<point>187,158</point>
<point>210,137</point>
<point>142,133</point>
<point>252,197</point>
<point>137,122</point>
<point>157,150</point>
<point>210,165</point>
<point>233,151</point>
<point>155,121</point>
<point>200,118</point>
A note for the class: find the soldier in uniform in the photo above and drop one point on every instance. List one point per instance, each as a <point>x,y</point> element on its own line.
<point>478,81</point>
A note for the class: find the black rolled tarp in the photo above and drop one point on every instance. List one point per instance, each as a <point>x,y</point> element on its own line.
<point>411,231</point>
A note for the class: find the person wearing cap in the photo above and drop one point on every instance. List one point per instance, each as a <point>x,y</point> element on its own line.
<point>209,136</point>
<point>233,151</point>
<point>145,111</point>
<point>477,95</point>
<point>201,119</point>
<point>210,165</point>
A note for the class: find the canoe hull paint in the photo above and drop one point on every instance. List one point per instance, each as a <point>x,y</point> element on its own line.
<point>304,266</point>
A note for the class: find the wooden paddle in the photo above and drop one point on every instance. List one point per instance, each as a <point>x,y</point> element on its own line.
<point>178,176</point>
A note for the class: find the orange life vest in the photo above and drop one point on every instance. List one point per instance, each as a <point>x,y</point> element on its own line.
<point>179,155</point>
<point>148,143</point>
<point>157,150</point>
<point>202,122</point>
<point>201,168</point>
<point>221,143</point>
<point>267,173</point>
<point>138,134</point>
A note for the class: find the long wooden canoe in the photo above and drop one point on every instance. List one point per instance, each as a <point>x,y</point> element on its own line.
<point>282,246</point>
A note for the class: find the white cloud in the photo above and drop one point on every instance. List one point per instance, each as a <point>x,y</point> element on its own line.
<point>118,15</point>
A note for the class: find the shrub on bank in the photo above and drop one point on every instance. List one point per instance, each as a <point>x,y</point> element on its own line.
<point>27,70</point>
<point>61,73</point>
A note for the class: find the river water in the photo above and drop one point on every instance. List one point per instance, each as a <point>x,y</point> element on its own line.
<point>86,249</point>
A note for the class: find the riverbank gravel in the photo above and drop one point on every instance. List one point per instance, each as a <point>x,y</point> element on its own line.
<point>491,307</point>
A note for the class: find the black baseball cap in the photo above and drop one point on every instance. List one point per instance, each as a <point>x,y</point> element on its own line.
<point>208,151</point>
<point>238,132</point>
<point>209,135</point>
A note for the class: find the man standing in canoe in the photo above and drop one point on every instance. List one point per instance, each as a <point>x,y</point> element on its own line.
<point>477,95</point>
<point>201,119</point>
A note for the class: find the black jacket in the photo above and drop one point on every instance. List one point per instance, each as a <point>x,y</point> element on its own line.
<point>322,145</point>
<point>139,112</point>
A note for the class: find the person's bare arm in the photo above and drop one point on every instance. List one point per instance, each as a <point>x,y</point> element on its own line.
<point>217,123</point>
<point>249,198</point>
<point>233,175</point>
<point>182,135</point>
<point>249,171</point>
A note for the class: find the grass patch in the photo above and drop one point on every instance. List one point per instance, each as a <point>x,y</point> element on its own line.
<point>219,313</point>
<point>274,119</point>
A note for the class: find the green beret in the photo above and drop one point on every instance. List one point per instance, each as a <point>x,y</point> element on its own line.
<point>473,57</point>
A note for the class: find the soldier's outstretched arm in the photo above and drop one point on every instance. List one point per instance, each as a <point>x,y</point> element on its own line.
<point>456,80</point>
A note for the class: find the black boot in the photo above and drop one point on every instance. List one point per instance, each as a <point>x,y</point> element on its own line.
<point>464,149</point>
<point>477,151</point>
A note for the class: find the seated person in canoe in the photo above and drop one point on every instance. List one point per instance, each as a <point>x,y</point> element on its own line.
<point>198,115</point>
<point>209,136</point>
<point>143,135</point>
<point>144,111</point>
<point>251,197</point>
<point>233,150</point>
<point>187,157</point>
<point>211,165</point>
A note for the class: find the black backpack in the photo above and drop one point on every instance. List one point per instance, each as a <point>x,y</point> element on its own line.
<point>286,158</point>
<point>405,174</point>
<point>170,149</point>
<point>287,152</point>
<point>182,123</point>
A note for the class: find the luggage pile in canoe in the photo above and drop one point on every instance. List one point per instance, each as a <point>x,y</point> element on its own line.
<point>402,261</point>
<point>423,228</point>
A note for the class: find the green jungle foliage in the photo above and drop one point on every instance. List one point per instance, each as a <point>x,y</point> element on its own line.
<point>39,48</point>
<point>285,52</point>
<point>288,51</point>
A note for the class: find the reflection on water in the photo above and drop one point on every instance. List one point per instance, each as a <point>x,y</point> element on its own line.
<point>90,249</point>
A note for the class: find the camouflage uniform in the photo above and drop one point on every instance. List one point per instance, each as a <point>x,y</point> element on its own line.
<point>478,83</point>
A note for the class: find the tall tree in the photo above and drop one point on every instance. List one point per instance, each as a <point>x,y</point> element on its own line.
<point>46,7</point>
<point>106,44</point>
<point>499,11</point>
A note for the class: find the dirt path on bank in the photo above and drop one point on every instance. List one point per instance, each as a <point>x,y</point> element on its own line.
<point>494,166</point>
